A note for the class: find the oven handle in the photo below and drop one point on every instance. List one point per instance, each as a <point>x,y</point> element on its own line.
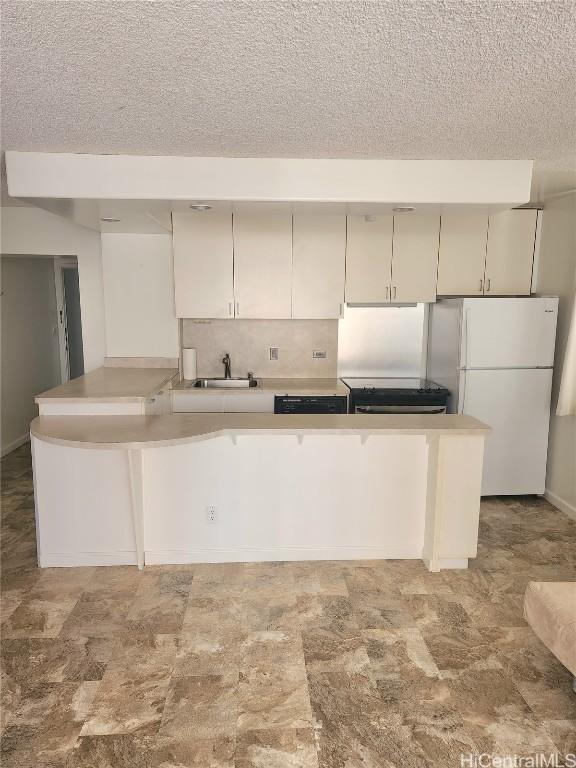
<point>375,409</point>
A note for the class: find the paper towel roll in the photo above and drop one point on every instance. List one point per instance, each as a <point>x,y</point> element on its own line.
<point>189,363</point>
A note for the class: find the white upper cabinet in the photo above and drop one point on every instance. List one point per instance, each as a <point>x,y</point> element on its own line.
<point>203,264</point>
<point>414,258</point>
<point>319,253</point>
<point>510,253</point>
<point>462,256</point>
<point>368,259</point>
<point>263,264</point>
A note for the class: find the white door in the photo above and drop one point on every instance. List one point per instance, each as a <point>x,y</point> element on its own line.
<point>263,264</point>
<point>368,259</point>
<point>462,255</point>
<point>203,264</point>
<point>415,257</point>
<point>508,333</point>
<point>510,253</point>
<point>515,404</point>
<point>319,253</point>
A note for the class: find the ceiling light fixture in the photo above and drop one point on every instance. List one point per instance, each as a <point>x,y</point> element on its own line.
<point>200,207</point>
<point>403,209</point>
<point>109,220</point>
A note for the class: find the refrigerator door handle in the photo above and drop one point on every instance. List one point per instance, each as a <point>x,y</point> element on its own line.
<point>465,335</point>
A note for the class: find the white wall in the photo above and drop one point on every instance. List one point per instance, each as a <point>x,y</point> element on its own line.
<point>30,351</point>
<point>557,276</point>
<point>32,232</point>
<point>139,296</point>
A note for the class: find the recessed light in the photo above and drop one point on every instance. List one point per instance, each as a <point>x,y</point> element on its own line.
<point>110,220</point>
<point>200,207</point>
<point>403,209</point>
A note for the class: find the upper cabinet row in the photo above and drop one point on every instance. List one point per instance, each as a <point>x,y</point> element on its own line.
<point>490,255</point>
<point>307,265</point>
<point>259,265</point>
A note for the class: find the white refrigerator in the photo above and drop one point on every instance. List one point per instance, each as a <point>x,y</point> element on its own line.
<point>495,355</point>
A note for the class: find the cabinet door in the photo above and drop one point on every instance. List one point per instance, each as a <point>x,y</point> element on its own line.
<point>319,253</point>
<point>263,264</point>
<point>510,253</point>
<point>196,402</point>
<point>203,264</point>
<point>415,257</point>
<point>368,259</point>
<point>462,255</point>
<point>253,402</point>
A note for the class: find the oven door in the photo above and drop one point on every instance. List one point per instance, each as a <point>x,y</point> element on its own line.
<point>374,409</point>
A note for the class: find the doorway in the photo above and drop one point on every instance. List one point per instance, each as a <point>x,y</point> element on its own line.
<point>30,360</point>
<point>69,318</point>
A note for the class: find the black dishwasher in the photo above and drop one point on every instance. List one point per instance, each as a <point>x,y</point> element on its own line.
<point>310,404</point>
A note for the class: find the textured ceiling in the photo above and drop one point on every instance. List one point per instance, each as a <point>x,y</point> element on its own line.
<point>337,78</point>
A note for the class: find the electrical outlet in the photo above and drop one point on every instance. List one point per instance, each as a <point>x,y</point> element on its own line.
<point>319,354</point>
<point>273,353</point>
<point>211,515</point>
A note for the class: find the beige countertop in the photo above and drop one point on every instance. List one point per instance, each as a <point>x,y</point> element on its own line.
<point>275,386</point>
<point>155,431</point>
<point>111,384</point>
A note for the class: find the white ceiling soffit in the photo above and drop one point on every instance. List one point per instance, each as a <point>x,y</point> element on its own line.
<point>476,79</point>
<point>128,177</point>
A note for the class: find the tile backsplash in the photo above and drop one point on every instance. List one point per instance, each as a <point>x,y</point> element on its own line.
<point>248,342</point>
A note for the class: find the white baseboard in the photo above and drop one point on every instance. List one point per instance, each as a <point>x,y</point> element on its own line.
<point>75,559</point>
<point>15,444</point>
<point>177,557</point>
<point>454,563</point>
<point>561,504</point>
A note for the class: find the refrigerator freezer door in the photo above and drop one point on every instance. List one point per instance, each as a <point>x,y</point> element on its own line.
<point>508,333</point>
<point>516,405</point>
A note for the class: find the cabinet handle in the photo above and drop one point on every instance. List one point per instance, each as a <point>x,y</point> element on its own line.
<point>481,284</point>
<point>488,285</point>
<point>230,312</point>
<point>341,310</point>
<point>387,289</point>
<point>394,291</point>
<point>237,309</point>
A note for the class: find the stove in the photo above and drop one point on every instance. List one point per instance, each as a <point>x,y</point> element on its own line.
<point>396,395</point>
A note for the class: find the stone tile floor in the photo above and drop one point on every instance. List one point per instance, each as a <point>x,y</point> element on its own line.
<point>366,664</point>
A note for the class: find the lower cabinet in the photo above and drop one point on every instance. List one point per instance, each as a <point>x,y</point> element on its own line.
<point>263,402</point>
<point>195,402</point>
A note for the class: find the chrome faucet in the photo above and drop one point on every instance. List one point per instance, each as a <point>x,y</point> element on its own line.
<point>227,365</point>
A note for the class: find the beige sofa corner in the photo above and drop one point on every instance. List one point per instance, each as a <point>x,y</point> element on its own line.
<point>550,609</point>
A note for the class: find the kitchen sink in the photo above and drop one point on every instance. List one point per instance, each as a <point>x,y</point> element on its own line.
<point>222,383</point>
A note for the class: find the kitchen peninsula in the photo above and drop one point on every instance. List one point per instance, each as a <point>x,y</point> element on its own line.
<point>220,487</point>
